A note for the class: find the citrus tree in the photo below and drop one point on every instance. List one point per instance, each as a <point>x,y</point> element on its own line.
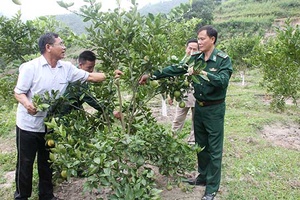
<point>241,50</point>
<point>123,154</point>
<point>19,39</point>
<point>279,60</point>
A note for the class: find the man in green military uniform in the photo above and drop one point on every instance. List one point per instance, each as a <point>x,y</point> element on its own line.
<point>210,89</point>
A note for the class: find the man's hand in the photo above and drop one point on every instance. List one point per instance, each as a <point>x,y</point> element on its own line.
<point>204,73</point>
<point>117,114</point>
<point>170,101</point>
<point>22,98</point>
<point>30,108</point>
<point>118,73</point>
<point>143,79</point>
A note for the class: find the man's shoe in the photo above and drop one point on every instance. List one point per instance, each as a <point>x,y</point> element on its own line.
<point>208,196</point>
<point>197,181</point>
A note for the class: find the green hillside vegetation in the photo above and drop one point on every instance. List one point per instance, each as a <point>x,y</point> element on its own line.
<point>73,21</point>
<point>239,10</point>
<point>77,24</point>
<point>231,17</point>
<point>247,17</point>
<point>162,7</point>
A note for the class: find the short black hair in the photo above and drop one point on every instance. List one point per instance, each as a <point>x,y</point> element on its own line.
<point>191,41</point>
<point>86,55</point>
<point>47,38</point>
<point>210,30</point>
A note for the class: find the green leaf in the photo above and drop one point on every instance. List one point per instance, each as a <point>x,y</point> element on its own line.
<point>97,160</point>
<point>195,79</point>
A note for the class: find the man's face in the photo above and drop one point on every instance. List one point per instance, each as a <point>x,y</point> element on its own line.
<point>57,49</point>
<point>205,42</point>
<point>87,66</point>
<point>191,47</point>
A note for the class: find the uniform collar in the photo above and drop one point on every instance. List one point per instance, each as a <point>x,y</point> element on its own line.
<point>213,55</point>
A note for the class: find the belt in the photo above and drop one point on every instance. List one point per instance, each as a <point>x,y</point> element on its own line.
<point>209,103</point>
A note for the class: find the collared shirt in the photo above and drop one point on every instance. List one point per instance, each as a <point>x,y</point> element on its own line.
<point>213,87</point>
<point>37,77</point>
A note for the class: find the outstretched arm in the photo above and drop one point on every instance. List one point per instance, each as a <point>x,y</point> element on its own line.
<point>96,77</point>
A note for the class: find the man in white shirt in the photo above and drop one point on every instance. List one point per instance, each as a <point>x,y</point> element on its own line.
<point>43,74</point>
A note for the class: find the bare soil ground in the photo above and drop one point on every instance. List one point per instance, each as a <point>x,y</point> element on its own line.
<point>285,135</point>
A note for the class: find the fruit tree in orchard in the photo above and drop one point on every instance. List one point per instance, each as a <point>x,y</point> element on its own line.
<point>103,149</point>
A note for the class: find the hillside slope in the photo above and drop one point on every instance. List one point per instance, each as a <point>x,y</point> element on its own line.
<point>232,16</point>
<point>248,17</point>
<point>78,26</point>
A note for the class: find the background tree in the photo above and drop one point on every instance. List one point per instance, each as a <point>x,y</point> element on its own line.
<point>279,59</point>
<point>202,9</point>
<point>19,39</point>
<point>241,51</point>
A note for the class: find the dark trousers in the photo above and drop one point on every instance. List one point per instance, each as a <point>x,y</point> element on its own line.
<point>28,145</point>
<point>209,133</point>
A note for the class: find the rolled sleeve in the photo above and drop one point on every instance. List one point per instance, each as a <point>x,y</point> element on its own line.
<point>78,74</point>
<point>24,80</point>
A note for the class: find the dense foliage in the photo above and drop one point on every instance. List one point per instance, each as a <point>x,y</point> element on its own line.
<point>241,50</point>
<point>279,59</point>
<point>19,39</point>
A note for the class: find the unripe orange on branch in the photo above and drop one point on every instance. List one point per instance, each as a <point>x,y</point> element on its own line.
<point>117,32</point>
<point>154,83</point>
<point>182,104</point>
<point>18,2</point>
<point>177,93</point>
<point>186,83</point>
<point>63,174</point>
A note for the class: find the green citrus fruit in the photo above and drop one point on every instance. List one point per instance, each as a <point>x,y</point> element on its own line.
<point>117,32</point>
<point>186,83</point>
<point>18,2</point>
<point>177,94</point>
<point>182,104</point>
<point>154,83</point>
<point>169,187</point>
<point>63,173</point>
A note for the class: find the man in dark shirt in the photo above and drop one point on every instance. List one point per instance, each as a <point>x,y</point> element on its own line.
<point>77,93</point>
<point>210,86</point>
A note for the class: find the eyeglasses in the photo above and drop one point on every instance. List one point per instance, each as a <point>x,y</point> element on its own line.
<point>59,44</point>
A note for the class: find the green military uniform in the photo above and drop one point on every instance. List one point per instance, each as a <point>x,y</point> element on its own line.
<point>210,93</point>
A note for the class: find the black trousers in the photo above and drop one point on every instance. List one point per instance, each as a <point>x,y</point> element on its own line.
<point>30,144</point>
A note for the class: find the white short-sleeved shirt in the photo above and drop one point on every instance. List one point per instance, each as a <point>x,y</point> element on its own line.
<point>37,77</point>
